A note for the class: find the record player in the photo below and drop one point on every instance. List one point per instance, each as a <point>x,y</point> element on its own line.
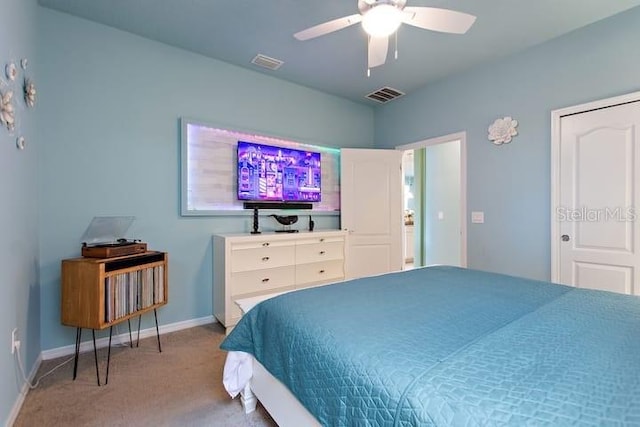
<point>104,238</point>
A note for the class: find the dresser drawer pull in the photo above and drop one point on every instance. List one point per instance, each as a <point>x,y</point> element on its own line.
<point>265,244</point>
<point>322,240</point>
<point>265,280</point>
<point>265,258</point>
<point>321,271</point>
<point>322,252</point>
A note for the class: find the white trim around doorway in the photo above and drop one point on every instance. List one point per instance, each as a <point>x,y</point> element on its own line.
<point>462,137</point>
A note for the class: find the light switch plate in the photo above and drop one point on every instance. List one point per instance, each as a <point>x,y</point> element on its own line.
<point>477,217</point>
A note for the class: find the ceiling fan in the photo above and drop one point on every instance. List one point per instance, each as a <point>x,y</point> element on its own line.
<point>381,18</point>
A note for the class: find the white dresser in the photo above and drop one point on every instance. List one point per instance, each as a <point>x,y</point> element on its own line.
<point>246,265</point>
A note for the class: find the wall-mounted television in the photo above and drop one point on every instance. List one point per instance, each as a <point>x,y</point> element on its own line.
<point>279,174</point>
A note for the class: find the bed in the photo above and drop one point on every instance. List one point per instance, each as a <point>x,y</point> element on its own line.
<point>441,346</point>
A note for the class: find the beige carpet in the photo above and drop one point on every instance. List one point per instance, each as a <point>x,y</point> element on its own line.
<point>182,386</point>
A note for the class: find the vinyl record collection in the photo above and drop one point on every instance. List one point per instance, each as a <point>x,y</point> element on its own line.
<point>127,293</point>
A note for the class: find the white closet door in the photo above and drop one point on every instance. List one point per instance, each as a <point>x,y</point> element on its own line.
<point>599,193</point>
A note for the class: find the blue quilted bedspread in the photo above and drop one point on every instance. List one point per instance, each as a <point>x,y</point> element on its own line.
<point>447,346</point>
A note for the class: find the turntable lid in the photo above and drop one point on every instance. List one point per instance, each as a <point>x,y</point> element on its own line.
<point>106,229</point>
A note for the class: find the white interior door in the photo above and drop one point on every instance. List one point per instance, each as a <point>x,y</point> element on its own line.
<point>596,218</point>
<point>371,188</point>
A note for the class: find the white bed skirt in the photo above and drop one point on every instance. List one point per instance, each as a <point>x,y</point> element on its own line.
<point>245,374</point>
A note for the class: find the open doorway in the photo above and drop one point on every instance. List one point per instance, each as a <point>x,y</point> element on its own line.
<point>409,205</point>
<point>435,201</point>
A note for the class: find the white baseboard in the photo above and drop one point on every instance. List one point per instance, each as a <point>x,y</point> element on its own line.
<point>23,392</point>
<point>123,338</point>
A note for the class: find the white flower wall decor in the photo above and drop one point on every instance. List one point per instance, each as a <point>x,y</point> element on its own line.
<point>29,92</point>
<point>503,130</point>
<point>7,112</point>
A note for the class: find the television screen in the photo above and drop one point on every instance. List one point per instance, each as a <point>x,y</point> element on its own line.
<point>269,173</point>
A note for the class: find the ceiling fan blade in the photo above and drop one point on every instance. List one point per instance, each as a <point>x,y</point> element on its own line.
<point>328,27</point>
<point>378,47</point>
<point>436,19</point>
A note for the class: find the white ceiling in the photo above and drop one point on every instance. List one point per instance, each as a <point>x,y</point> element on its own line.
<point>235,31</point>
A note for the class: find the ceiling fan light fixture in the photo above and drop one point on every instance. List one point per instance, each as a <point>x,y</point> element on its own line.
<point>382,20</point>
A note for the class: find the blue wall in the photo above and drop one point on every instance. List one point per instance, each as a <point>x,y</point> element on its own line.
<point>19,304</point>
<point>110,109</point>
<point>511,183</point>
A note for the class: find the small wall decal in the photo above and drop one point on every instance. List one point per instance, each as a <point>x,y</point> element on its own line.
<point>7,112</point>
<point>11,71</point>
<point>29,92</point>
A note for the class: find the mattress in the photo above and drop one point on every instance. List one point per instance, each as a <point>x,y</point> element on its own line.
<point>448,346</point>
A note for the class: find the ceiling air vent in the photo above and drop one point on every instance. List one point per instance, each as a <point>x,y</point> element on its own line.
<point>267,62</point>
<point>385,94</point>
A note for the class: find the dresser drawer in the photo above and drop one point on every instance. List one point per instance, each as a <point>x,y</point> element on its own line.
<point>317,252</point>
<point>262,280</point>
<point>262,257</point>
<point>325,271</point>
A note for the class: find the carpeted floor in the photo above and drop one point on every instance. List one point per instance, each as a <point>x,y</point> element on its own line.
<point>182,386</point>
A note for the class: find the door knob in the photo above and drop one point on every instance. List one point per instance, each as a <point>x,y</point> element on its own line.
<point>565,238</point>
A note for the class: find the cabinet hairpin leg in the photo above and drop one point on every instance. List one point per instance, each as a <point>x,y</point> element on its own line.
<point>75,360</point>
<point>155,314</point>
<point>95,354</point>
<point>106,380</point>
<point>138,339</point>
<point>130,336</point>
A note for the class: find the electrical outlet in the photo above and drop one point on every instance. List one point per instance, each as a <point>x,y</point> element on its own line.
<point>15,343</point>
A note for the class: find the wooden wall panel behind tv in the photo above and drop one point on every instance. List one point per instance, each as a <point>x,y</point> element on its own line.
<point>209,169</point>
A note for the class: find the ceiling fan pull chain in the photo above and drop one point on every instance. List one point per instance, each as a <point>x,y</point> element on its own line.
<point>396,52</point>
<point>368,44</point>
